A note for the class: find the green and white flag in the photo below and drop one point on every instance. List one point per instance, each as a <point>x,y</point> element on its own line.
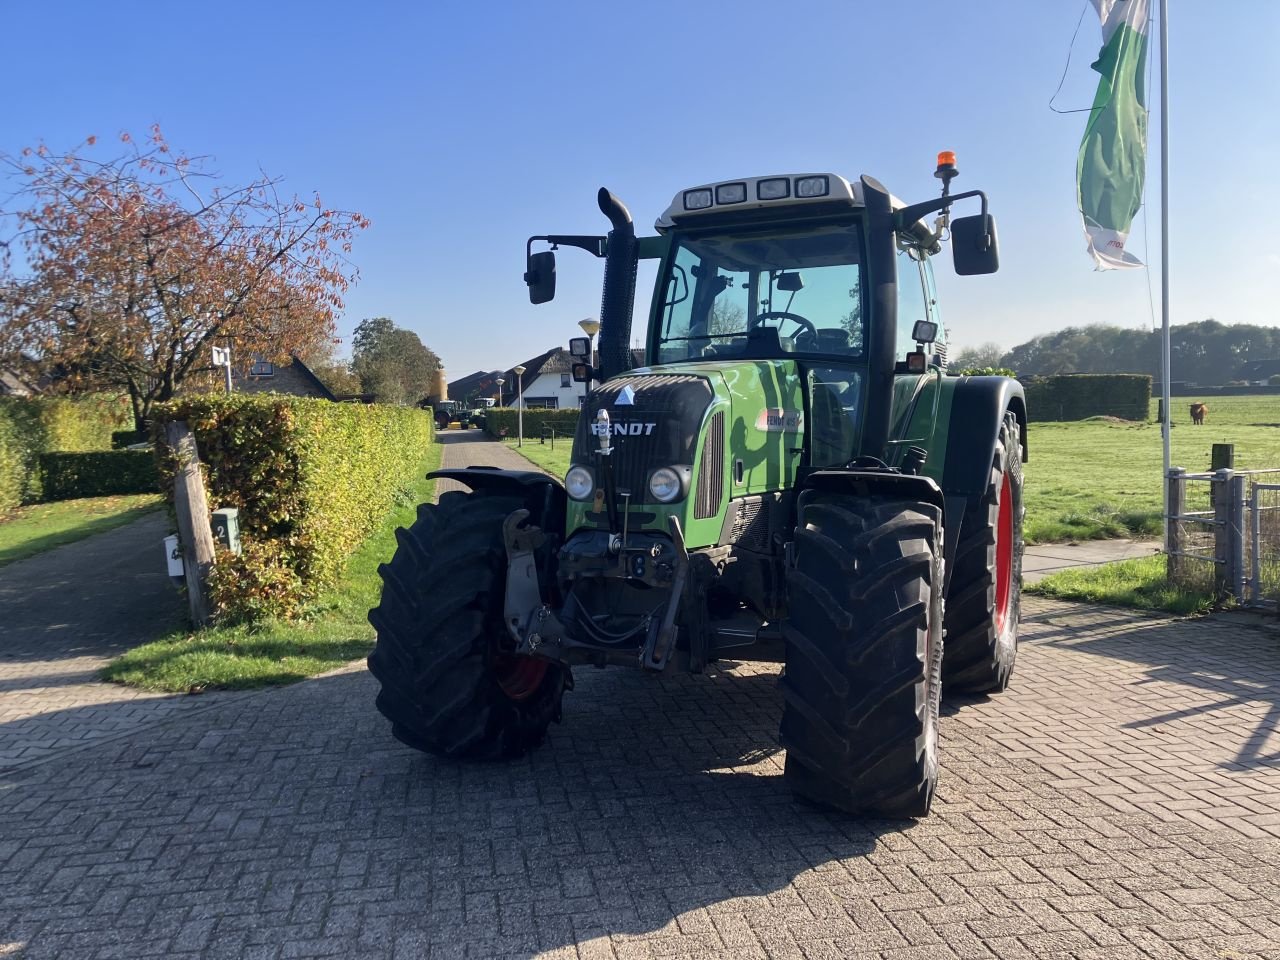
<point>1113,154</point>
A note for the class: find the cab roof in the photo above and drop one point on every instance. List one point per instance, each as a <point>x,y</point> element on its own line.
<point>789,191</point>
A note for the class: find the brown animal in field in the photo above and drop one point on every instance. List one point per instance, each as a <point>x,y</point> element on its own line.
<point>1198,412</point>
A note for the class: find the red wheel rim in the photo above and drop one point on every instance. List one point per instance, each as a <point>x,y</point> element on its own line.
<point>519,677</point>
<point>1004,553</point>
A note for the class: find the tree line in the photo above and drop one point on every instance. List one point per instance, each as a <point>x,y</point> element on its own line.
<point>1207,352</point>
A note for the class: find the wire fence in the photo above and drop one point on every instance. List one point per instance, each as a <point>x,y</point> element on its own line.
<point>1224,534</point>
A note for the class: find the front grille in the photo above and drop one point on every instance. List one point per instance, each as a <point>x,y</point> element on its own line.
<point>659,417</point>
<point>711,471</point>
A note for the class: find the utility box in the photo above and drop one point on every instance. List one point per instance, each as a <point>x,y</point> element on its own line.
<point>173,558</point>
<point>226,528</point>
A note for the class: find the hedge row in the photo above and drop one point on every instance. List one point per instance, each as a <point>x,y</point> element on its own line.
<point>505,421</point>
<point>1078,396</point>
<point>102,473</point>
<point>310,478</point>
<point>31,426</point>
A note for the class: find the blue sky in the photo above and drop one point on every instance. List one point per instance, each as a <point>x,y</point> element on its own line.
<point>462,128</point>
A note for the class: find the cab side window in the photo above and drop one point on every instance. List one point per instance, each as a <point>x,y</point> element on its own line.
<point>935,314</point>
<point>912,303</point>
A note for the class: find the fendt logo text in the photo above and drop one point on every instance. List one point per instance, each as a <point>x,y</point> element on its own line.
<point>620,429</point>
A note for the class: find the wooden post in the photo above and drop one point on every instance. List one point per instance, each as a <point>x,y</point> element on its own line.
<point>1175,542</point>
<point>189,503</point>
<point>1222,457</point>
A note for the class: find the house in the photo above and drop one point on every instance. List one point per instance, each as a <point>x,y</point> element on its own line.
<point>548,381</point>
<point>469,389</point>
<point>294,378</point>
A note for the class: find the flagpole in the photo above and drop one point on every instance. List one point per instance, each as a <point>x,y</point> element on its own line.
<point>1164,255</point>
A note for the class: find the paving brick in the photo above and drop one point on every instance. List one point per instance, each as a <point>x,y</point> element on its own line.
<point>1116,801</point>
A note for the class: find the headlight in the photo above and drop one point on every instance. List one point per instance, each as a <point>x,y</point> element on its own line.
<point>579,483</point>
<point>664,484</point>
<point>697,199</point>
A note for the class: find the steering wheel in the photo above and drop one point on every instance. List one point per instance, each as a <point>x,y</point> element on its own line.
<point>781,315</point>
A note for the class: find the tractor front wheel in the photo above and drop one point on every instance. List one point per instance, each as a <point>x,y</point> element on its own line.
<point>984,599</point>
<point>449,683</point>
<point>864,655</point>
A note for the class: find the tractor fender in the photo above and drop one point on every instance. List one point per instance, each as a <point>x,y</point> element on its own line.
<point>978,407</point>
<point>874,483</point>
<point>545,497</point>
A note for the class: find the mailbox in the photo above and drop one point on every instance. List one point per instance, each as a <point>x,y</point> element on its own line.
<point>173,558</point>
<point>226,528</point>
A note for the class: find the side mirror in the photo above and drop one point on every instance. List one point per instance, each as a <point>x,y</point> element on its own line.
<point>925,331</point>
<point>973,245</point>
<point>540,277</point>
<point>580,348</point>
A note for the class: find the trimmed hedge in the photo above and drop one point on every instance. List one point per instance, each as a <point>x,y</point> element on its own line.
<point>13,474</point>
<point>103,473</point>
<point>38,425</point>
<point>310,478</point>
<point>1077,396</point>
<point>505,422</point>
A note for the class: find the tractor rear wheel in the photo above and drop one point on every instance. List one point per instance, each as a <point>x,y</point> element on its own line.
<point>984,599</point>
<point>448,686</point>
<point>864,655</point>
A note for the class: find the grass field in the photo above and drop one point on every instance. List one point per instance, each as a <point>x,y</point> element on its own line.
<point>334,631</point>
<point>42,526</point>
<point>1099,479</point>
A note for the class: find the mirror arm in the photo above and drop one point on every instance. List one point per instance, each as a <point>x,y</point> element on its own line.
<point>593,245</point>
<point>906,216</point>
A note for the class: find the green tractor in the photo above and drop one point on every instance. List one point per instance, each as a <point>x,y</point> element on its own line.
<point>791,478</point>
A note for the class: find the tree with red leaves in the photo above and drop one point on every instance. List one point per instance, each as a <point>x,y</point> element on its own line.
<point>138,263</point>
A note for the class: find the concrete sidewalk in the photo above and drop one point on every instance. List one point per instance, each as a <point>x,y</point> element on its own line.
<point>1043,559</point>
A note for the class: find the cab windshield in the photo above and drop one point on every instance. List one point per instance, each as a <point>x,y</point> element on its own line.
<point>763,294</point>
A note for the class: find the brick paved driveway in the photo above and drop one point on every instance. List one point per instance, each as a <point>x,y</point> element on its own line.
<point>1122,800</point>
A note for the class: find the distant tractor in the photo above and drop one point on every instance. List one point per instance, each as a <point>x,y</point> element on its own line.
<point>790,478</point>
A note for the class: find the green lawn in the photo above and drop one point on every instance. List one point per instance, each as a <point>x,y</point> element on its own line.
<point>1138,583</point>
<point>30,530</point>
<point>334,631</point>
<point>1098,479</point>
<point>554,459</point>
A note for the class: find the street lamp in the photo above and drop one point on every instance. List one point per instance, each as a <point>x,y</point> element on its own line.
<point>590,327</point>
<point>500,383</point>
<point>518,370</point>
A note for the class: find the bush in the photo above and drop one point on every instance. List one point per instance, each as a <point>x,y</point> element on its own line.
<point>505,422</point>
<point>12,474</point>
<point>69,476</point>
<point>37,425</point>
<point>1078,396</point>
<point>310,478</point>
<point>981,372</point>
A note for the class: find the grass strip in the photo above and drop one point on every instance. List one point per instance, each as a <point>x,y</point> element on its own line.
<point>333,631</point>
<point>552,458</point>
<point>26,531</point>
<point>1139,583</point>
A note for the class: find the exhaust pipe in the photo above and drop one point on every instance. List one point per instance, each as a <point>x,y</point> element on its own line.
<point>619,296</point>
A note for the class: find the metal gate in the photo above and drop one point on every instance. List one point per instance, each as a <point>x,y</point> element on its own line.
<point>1223,533</point>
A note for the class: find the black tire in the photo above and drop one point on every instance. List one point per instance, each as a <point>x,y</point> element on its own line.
<point>446,687</point>
<point>984,599</point>
<point>864,653</point>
